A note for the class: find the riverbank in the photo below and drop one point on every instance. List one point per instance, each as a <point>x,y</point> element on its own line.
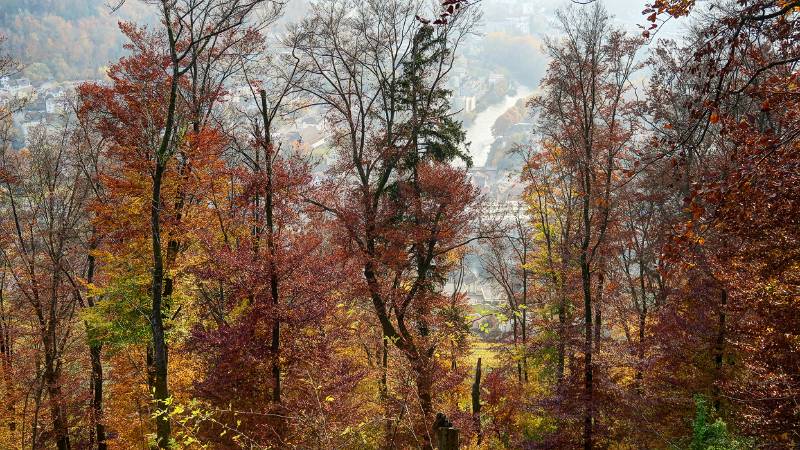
<point>479,134</point>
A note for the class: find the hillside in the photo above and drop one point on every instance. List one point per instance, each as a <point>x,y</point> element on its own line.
<point>64,39</point>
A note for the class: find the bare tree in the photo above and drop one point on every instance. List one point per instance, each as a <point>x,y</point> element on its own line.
<point>88,146</point>
<point>506,258</point>
<point>583,112</point>
<point>551,190</point>
<point>45,195</point>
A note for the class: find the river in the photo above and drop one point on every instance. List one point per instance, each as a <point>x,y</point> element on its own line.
<point>480,132</point>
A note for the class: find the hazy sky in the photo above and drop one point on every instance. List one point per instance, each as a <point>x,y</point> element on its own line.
<point>627,13</point>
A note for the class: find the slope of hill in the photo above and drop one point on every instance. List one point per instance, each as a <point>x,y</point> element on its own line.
<point>65,39</point>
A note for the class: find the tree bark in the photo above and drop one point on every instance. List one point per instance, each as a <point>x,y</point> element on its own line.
<point>598,315</point>
<point>516,345</point>
<point>275,346</point>
<point>425,394</point>
<point>95,356</point>
<point>476,402</point>
<point>562,338</point>
<point>525,314</point>
<point>52,367</point>
<point>51,378</point>
<point>642,322</point>
<point>719,349</point>
<point>95,351</point>
<point>160,382</point>
<point>160,358</point>
<point>52,381</point>
<point>6,353</point>
<point>588,419</point>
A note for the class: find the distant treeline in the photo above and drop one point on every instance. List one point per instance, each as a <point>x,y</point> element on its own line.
<point>65,39</point>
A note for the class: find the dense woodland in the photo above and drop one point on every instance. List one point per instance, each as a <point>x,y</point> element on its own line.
<point>173,275</point>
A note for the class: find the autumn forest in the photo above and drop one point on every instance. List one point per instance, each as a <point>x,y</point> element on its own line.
<point>177,273</point>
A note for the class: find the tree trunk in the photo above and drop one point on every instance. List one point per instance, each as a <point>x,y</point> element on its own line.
<point>525,316</point>
<point>425,394</point>
<point>598,320</point>
<point>516,346</point>
<point>162,155</point>
<point>588,419</point>
<point>8,380</point>
<point>57,415</point>
<point>562,322</point>
<point>384,392</point>
<point>562,338</point>
<point>719,349</point>
<point>639,377</point>
<point>95,356</point>
<point>37,408</point>
<point>476,402</point>
<point>275,346</point>
<point>52,368</point>
<point>160,383</point>
<point>95,351</point>
<point>598,316</point>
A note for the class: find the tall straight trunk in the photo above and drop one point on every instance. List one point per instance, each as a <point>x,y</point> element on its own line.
<point>588,419</point>
<point>562,337</point>
<point>37,408</point>
<point>559,283</point>
<point>598,317</point>
<point>95,356</point>
<point>52,367</point>
<point>162,156</point>
<point>598,323</point>
<point>384,392</point>
<point>6,353</point>
<point>639,377</point>
<point>516,346</point>
<point>424,382</point>
<point>95,351</point>
<point>57,415</point>
<point>476,402</point>
<point>159,354</point>
<point>275,345</point>
<point>525,316</point>
<point>562,321</point>
<point>52,378</point>
<point>719,348</point>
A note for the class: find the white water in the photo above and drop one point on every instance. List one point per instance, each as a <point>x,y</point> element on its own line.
<point>480,132</point>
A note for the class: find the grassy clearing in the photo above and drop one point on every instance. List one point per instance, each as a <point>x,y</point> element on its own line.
<point>487,352</point>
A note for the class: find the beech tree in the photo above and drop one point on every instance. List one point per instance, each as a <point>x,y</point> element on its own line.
<point>44,192</point>
<point>583,111</point>
<point>196,35</point>
<point>736,117</point>
<point>378,72</point>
